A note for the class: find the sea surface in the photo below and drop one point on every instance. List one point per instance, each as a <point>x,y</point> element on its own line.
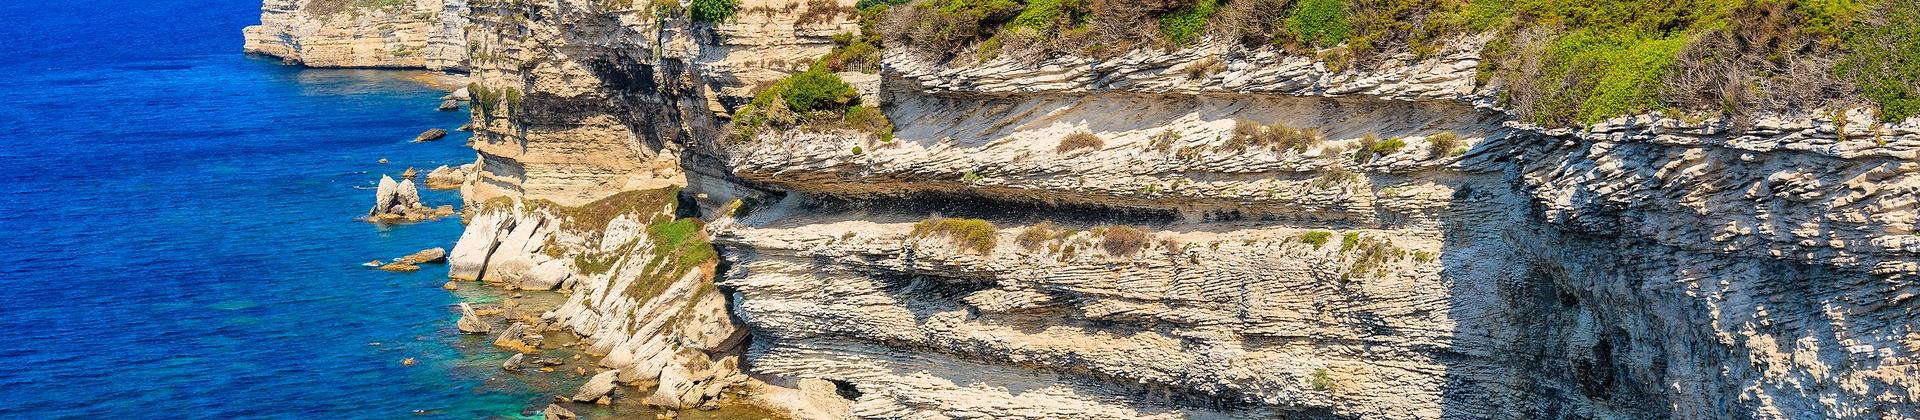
<point>177,233</point>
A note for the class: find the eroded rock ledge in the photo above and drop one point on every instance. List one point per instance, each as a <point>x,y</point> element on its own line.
<point>1423,256</point>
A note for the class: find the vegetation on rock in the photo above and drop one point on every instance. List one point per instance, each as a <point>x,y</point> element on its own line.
<point>814,99</point>
<point>1123,240</point>
<point>1079,140</point>
<point>1555,62</point>
<point>713,10</point>
<point>970,234</point>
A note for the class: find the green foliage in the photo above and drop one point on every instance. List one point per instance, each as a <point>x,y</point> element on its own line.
<point>814,90</point>
<point>1883,59</point>
<point>332,7</point>
<point>1184,26</point>
<point>679,247</point>
<point>1322,23</point>
<point>1050,14</point>
<point>815,98</point>
<point>1442,143</point>
<point>1349,240</point>
<point>1387,146</point>
<point>1316,238</point>
<point>714,10</point>
<point>1321,380</point>
<point>868,4</point>
<point>970,234</point>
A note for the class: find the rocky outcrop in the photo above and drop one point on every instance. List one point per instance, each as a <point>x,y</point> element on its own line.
<point>470,322</point>
<point>395,202</point>
<point>430,135</point>
<point>1409,252</point>
<point>423,34</point>
<point>448,178</point>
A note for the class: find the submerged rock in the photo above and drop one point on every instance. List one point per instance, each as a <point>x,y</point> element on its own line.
<point>399,266</point>
<point>431,135</point>
<point>556,412</point>
<point>599,386</point>
<point>471,323</point>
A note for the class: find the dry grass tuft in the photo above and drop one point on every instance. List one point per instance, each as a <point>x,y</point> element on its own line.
<point>1079,140</point>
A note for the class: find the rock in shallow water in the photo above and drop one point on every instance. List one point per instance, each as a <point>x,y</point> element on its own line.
<point>556,412</point>
<point>471,323</point>
<point>599,386</point>
<point>431,135</point>
<point>449,105</point>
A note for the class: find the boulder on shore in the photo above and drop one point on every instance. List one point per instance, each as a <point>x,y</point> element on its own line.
<point>599,386</point>
<point>471,323</point>
<point>513,363</point>
<point>556,412</point>
<point>431,135</point>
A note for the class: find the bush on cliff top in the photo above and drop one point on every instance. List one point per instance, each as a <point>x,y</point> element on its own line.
<point>713,10</point>
<point>1556,62</point>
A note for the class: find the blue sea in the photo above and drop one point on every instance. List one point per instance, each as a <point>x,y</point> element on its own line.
<point>179,234</point>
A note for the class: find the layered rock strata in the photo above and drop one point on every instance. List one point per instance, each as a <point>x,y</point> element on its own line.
<point>422,34</point>
<point>1422,256</point>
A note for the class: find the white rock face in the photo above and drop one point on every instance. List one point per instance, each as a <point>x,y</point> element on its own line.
<point>424,34</point>
<point>1642,268</point>
<point>395,198</point>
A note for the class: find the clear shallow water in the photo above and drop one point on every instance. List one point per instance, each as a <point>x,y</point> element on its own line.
<point>177,234</point>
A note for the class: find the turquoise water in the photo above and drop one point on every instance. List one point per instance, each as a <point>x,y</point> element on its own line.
<point>178,228</point>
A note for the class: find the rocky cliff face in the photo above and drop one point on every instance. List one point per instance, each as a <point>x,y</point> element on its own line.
<point>1646,267</point>
<point>1407,251</point>
<point>424,34</point>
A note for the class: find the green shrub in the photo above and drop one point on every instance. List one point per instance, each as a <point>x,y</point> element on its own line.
<point>1349,240</point>
<point>815,98</point>
<point>1321,380</point>
<point>1185,25</point>
<point>1050,14</point>
<point>969,234</point>
<point>1442,143</point>
<point>1883,59</point>
<point>815,90</point>
<point>1387,146</point>
<point>1316,238</point>
<point>713,10</point>
<point>1321,23</point>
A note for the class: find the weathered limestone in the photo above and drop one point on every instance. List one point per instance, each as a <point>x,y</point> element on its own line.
<point>1647,267</point>
<point>471,323</point>
<point>424,34</point>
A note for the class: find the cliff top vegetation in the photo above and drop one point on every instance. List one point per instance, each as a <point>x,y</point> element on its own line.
<point>1555,62</point>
